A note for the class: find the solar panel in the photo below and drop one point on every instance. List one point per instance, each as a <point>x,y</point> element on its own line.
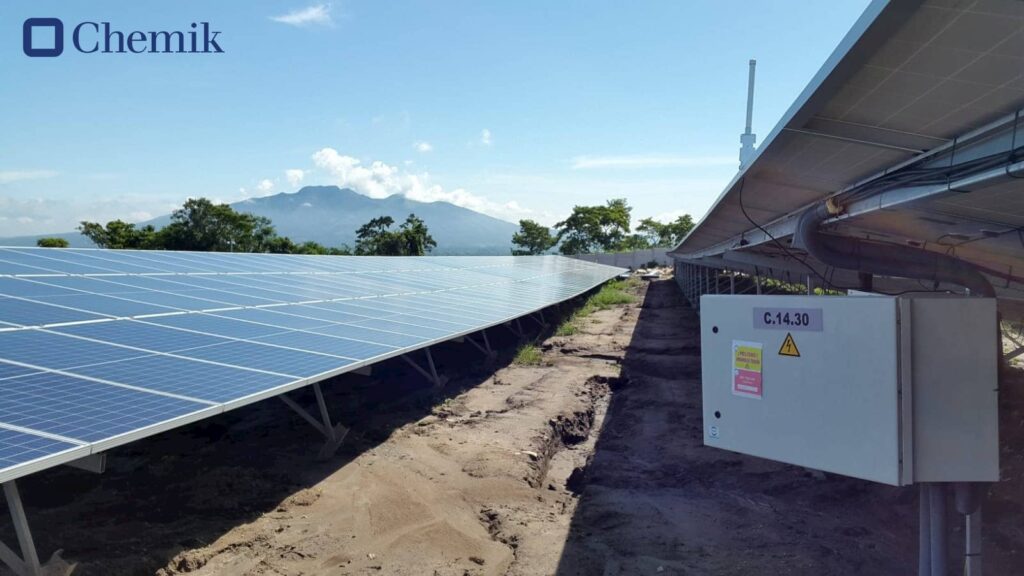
<point>100,347</point>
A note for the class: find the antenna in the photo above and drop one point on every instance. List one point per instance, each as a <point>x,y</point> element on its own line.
<point>748,138</point>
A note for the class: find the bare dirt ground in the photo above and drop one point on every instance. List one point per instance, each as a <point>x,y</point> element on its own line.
<point>591,463</point>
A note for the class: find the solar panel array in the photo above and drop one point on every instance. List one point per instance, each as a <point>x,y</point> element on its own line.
<point>99,347</point>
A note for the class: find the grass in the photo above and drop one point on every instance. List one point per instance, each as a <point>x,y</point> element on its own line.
<point>613,293</point>
<point>529,355</point>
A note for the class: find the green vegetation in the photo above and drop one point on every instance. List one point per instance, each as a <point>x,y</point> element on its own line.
<point>410,239</point>
<point>657,234</point>
<point>201,225</point>
<point>532,239</point>
<point>52,243</point>
<point>613,293</point>
<point>529,355</point>
<point>603,229</point>
<point>568,327</point>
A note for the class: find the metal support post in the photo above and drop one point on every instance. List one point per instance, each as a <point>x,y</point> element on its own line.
<point>438,381</point>
<point>485,349</point>
<point>334,435</point>
<point>717,290</point>
<point>518,333</point>
<point>538,317</point>
<point>924,532</point>
<point>757,283</point>
<point>28,563</point>
<point>972,550</point>
<point>732,283</point>
<point>810,288</point>
<point>937,506</point>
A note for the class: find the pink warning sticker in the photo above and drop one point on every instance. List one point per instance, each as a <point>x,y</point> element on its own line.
<point>746,369</point>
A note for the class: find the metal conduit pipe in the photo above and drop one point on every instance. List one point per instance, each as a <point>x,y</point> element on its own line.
<point>884,259</point>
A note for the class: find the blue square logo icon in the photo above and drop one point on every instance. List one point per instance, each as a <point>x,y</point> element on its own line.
<point>42,37</point>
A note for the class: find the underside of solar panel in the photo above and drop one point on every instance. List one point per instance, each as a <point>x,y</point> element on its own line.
<point>99,348</point>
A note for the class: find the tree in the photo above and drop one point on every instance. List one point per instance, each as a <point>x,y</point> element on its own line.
<point>375,238</point>
<point>415,237</point>
<point>532,239</point>
<point>635,242</point>
<point>202,225</point>
<point>666,235</point>
<point>118,234</point>
<point>378,239</point>
<point>591,228</point>
<point>52,243</point>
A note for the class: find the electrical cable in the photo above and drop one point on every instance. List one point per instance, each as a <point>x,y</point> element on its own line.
<point>774,239</point>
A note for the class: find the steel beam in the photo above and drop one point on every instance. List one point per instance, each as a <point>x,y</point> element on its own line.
<point>432,375</point>
<point>334,435</point>
<point>28,563</point>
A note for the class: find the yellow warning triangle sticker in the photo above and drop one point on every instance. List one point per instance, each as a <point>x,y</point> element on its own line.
<point>789,347</point>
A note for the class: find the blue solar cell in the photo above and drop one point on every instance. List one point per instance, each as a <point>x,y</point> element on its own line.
<point>19,448</point>
<point>140,335</point>
<point>370,335</point>
<point>174,301</point>
<point>105,305</point>
<point>216,325</point>
<point>7,267</point>
<point>56,352</point>
<point>211,382</point>
<point>270,358</point>
<point>12,370</point>
<point>327,345</point>
<point>405,328</point>
<point>32,288</point>
<point>268,316</point>
<point>84,410</point>
<point>27,313</point>
<point>41,259</point>
<point>321,312</point>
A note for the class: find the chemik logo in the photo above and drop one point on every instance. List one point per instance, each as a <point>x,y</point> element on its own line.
<point>44,38</point>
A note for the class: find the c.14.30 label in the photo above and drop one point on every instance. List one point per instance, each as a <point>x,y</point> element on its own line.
<point>808,319</point>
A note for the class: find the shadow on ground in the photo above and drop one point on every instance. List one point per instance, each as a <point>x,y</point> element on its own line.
<point>654,500</point>
<point>186,488</point>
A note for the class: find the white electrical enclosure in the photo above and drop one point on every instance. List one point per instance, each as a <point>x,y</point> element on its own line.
<point>894,390</point>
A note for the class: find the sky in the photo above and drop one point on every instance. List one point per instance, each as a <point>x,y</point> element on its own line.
<point>515,109</point>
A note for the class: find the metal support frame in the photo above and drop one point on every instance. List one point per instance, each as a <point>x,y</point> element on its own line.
<point>485,349</point>
<point>28,563</point>
<point>432,375</point>
<point>538,317</point>
<point>516,330</point>
<point>334,435</point>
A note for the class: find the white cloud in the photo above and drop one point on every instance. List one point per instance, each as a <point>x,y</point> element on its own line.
<point>305,205</point>
<point>485,137</point>
<point>265,186</point>
<point>6,177</point>
<point>294,176</point>
<point>423,147</point>
<point>379,180</point>
<point>25,216</point>
<point>319,14</point>
<point>654,161</point>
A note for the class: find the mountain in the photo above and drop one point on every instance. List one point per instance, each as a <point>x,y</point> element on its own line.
<point>330,215</point>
